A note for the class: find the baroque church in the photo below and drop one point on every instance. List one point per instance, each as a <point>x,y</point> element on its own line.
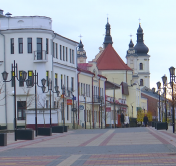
<point>131,77</point>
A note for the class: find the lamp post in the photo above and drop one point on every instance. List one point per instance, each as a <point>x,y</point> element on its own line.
<point>49,89</point>
<point>164,79</point>
<point>35,82</point>
<point>13,79</point>
<point>172,81</point>
<point>73,98</point>
<point>63,93</point>
<point>158,86</point>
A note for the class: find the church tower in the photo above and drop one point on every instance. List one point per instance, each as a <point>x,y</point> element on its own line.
<point>108,38</point>
<point>81,53</point>
<point>138,59</point>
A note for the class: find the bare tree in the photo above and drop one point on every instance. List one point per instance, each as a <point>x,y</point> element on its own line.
<point>29,99</point>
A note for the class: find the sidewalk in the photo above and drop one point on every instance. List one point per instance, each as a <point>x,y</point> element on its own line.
<point>120,146</point>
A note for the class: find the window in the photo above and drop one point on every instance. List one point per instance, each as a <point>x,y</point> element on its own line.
<point>60,52</point>
<point>56,51</point>
<point>66,53</point>
<point>47,105</point>
<point>63,53</point>
<point>47,50</point>
<point>70,57</point>
<point>21,110</point>
<point>31,77</point>
<point>29,41</point>
<point>21,81</point>
<point>39,48</point>
<point>55,104</point>
<point>55,79</point>
<point>141,66</point>
<point>141,82</point>
<point>81,89</point>
<point>73,56</point>
<point>61,81</point>
<point>12,45</point>
<point>12,76</point>
<point>20,45</point>
<point>72,84</point>
<point>87,90</point>
<point>67,82</point>
<point>53,49</point>
<point>47,77</point>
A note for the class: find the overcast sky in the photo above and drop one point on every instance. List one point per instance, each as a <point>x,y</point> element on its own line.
<point>89,17</point>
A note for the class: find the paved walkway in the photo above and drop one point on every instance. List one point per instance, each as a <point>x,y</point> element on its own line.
<point>108,147</point>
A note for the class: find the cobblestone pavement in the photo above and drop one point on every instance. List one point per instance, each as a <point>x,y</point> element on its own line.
<point>109,147</point>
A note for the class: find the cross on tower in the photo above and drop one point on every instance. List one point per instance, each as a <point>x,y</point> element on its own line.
<point>80,36</point>
<point>107,18</point>
<point>131,36</point>
<point>139,21</point>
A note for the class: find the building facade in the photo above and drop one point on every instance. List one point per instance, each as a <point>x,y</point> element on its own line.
<point>31,42</point>
<point>139,60</point>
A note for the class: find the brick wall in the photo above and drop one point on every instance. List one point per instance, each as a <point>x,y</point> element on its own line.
<point>151,104</point>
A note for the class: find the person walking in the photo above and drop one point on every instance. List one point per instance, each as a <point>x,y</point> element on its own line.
<point>126,122</point>
<point>122,119</point>
<point>145,120</point>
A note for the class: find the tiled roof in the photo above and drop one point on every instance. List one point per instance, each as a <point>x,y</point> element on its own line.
<point>84,65</point>
<point>110,60</point>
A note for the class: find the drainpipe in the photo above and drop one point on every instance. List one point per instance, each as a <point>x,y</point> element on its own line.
<point>78,94</point>
<point>5,82</point>
<point>105,100</point>
<point>92,103</point>
<point>53,68</point>
<point>126,77</point>
<point>99,105</point>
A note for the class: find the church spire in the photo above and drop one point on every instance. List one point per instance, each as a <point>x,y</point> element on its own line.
<point>108,38</point>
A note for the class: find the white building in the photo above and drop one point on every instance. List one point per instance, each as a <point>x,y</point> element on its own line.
<point>31,42</point>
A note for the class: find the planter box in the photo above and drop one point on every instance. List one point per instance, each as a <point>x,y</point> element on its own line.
<point>57,129</point>
<point>45,131</point>
<point>24,134</point>
<point>65,128</point>
<point>3,139</point>
<point>153,124</point>
<point>162,126</point>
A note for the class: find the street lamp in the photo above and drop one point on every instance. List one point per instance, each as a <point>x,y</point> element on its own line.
<point>63,93</point>
<point>14,75</point>
<point>30,85</point>
<point>172,81</point>
<point>158,86</point>
<point>101,98</point>
<point>73,109</point>
<point>164,79</point>
<point>49,89</point>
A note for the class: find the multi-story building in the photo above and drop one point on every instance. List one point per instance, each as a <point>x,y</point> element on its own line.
<point>31,42</point>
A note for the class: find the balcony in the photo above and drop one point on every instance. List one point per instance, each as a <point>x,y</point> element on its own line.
<point>97,99</point>
<point>40,56</point>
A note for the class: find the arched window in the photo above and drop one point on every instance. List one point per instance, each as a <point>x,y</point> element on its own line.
<point>141,82</point>
<point>141,66</point>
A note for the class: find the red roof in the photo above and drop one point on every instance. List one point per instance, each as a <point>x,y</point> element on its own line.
<point>83,67</point>
<point>110,60</point>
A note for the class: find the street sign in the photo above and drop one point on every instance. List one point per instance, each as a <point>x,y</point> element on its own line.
<point>74,98</point>
<point>74,109</point>
<point>69,101</point>
<point>81,107</point>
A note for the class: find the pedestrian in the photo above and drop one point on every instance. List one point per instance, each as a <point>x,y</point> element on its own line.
<point>126,122</point>
<point>145,120</point>
<point>122,119</point>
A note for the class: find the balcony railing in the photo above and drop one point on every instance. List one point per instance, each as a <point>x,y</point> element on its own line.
<point>40,56</point>
<point>97,99</point>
